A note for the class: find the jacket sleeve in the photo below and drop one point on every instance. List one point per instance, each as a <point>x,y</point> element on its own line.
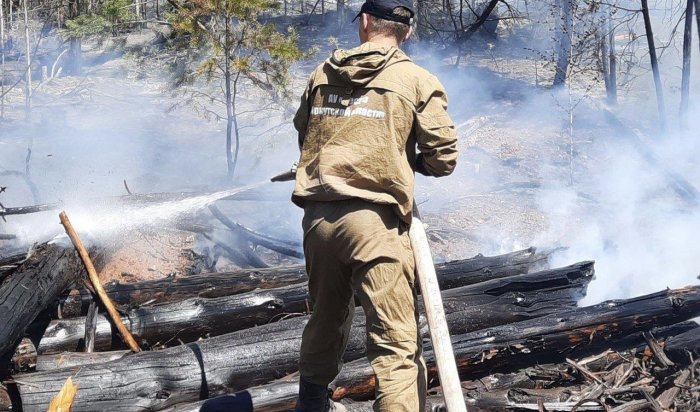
<point>301,118</point>
<point>435,132</point>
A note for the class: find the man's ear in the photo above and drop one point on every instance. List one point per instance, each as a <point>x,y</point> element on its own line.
<point>408,35</point>
<point>365,21</point>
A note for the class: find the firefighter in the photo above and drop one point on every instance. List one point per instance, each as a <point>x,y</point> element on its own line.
<point>368,119</point>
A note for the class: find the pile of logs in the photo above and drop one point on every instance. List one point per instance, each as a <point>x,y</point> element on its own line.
<point>231,340</point>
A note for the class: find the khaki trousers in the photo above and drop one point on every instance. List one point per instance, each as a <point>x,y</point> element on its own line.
<point>356,247</point>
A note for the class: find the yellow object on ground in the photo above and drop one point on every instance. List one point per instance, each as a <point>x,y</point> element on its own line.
<point>355,245</point>
<point>63,401</point>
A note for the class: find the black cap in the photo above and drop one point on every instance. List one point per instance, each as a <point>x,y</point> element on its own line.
<point>384,9</point>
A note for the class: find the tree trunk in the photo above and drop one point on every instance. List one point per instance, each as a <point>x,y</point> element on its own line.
<point>236,128</point>
<point>473,307</point>
<point>280,395</point>
<point>228,97</point>
<point>697,19</point>
<point>481,19</point>
<point>612,90</point>
<point>198,370</point>
<point>76,56</point>
<point>32,287</point>
<point>654,65</point>
<point>544,340</point>
<point>604,53</point>
<point>685,79</point>
<point>70,359</point>
<point>683,347</point>
<point>28,60</point>
<point>564,34</point>
<point>2,59</point>
<point>340,9</point>
<point>450,275</point>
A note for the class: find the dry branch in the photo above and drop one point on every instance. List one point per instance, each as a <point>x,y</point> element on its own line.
<point>97,284</point>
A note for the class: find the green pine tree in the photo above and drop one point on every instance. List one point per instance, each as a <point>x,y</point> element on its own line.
<point>236,49</point>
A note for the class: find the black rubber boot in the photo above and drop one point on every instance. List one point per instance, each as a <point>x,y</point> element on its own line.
<point>312,397</point>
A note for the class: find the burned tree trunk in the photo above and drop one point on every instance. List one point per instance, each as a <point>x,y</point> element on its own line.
<point>451,274</point>
<point>547,339</point>
<point>685,346</point>
<point>654,65</point>
<point>184,321</point>
<point>218,365</point>
<point>473,307</point>
<point>32,287</point>
<point>685,76</point>
<point>469,308</point>
<point>564,35</point>
<point>498,391</point>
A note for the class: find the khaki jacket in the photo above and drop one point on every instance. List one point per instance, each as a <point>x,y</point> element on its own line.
<point>362,115</point>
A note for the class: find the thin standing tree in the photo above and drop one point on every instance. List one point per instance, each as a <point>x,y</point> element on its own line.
<point>2,59</point>
<point>612,59</point>
<point>239,51</point>
<point>28,52</point>
<point>654,65</point>
<point>685,79</point>
<point>564,34</point>
<point>697,19</point>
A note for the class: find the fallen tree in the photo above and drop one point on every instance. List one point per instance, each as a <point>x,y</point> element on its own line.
<point>471,307</point>
<point>547,339</point>
<point>257,355</point>
<point>236,361</point>
<point>37,282</point>
<point>451,274</point>
<point>515,391</point>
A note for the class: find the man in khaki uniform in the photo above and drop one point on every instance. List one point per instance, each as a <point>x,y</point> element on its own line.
<point>361,118</point>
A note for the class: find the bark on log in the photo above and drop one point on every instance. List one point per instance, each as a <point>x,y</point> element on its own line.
<point>280,394</point>
<point>202,369</point>
<point>471,307</point>
<point>70,359</point>
<point>546,339</point>
<point>477,269</point>
<point>680,347</point>
<point>23,210</point>
<point>10,264</point>
<point>34,285</point>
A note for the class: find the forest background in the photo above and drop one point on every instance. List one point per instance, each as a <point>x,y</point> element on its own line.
<point>577,119</point>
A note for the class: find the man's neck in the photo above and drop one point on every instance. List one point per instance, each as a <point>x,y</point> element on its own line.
<point>387,41</point>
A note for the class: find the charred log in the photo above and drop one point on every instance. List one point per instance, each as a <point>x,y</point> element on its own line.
<point>515,391</point>
<point>472,307</point>
<point>70,359</point>
<point>213,366</point>
<point>451,274</point>
<point>258,238</point>
<point>685,346</point>
<point>547,339</point>
<point>10,263</point>
<point>23,210</point>
<point>34,285</point>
